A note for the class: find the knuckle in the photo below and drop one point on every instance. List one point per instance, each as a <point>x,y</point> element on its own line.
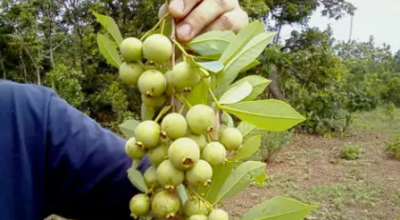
<point>222,3</point>
<point>226,22</point>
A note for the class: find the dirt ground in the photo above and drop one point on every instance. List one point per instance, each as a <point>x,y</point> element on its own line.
<point>311,170</point>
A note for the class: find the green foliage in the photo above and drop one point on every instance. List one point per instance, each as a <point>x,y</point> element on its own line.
<point>350,152</point>
<point>393,146</point>
<point>272,143</point>
<point>67,84</point>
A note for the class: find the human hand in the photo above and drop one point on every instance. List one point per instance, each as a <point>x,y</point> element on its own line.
<point>198,16</point>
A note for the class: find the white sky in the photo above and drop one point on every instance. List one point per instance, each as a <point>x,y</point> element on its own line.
<point>380,18</point>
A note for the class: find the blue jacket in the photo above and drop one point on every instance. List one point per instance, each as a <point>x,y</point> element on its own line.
<point>56,160</point>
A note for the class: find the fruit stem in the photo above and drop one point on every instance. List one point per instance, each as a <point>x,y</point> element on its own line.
<point>185,54</point>
<point>209,206</point>
<point>162,112</point>
<point>172,61</point>
<point>214,98</point>
<point>183,100</point>
<point>155,27</point>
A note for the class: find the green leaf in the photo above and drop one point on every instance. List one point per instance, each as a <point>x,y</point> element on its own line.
<point>258,83</point>
<point>137,179</point>
<point>250,66</point>
<point>128,128</point>
<point>249,130</point>
<point>212,42</point>
<point>109,24</point>
<point>213,66</point>
<point>209,57</point>
<point>109,50</point>
<point>272,115</point>
<point>236,93</point>
<point>241,39</point>
<point>147,113</point>
<point>279,208</point>
<point>249,148</point>
<point>240,179</point>
<point>227,119</point>
<point>220,175</point>
<point>245,57</point>
<point>199,94</point>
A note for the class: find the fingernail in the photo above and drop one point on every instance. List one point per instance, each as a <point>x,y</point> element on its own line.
<point>185,30</point>
<point>177,5</point>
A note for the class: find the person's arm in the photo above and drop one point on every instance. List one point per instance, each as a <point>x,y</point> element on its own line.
<point>87,166</point>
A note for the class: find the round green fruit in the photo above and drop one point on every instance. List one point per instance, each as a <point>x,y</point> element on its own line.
<point>134,150</point>
<point>168,175</point>
<point>129,73</point>
<point>200,119</point>
<point>158,155</point>
<point>150,177</point>
<point>157,48</point>
<point>218,214</point>
<point>147,133</point>
<point>198,217</point>
<point>184,75</point>
<point>184,153</point>
<point>165,205</point>
<point>231,138</point>
<point>174,125</point>
<point>170,88</point>
<point>154,102</point>
<point>199,139</point>
<point>200,175</point>
<point>131,49</point>
<point>140,205</point>
<point>214,153</point>
<point>152,83</point>
<point>194,206</point>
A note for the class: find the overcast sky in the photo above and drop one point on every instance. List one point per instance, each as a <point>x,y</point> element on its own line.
<point>380,18</point>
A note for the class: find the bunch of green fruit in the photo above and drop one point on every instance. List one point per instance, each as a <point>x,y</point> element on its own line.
<point>187,130</point>
<point>182,150</point>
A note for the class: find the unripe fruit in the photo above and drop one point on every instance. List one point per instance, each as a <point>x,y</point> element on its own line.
<point>165,205</point>
<point>184,75</point>
<point>168,175</point>
<point>158,155</point>
<point>198,217</point>
<point>152,83</point>
<point>129,73</point>
<point>214,153</point>
<point>154,102</point>
<point>131,49</point>
<point>150,177</point>
<point>157,48</point>
<point>184,153</point>
<point>200,119</point>
<point>134,150</point>
<point>148,134</point>
<point>231,138</point>
<point>174,125</point>
<point>218,214</point>
<point>194,206</point>
<point>200,174</point>
<point>199,139</point>
<point>140,205</point>
<point>170,88</point>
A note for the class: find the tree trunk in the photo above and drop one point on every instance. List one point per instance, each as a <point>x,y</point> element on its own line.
<point>273,87</point>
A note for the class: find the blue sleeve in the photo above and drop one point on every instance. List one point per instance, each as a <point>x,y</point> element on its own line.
<point>84,165</point>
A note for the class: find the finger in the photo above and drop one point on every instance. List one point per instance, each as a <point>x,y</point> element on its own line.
<point>202,16</point>
<point>162,11</point>
<point>234,20</point>
<point>181,8</point>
